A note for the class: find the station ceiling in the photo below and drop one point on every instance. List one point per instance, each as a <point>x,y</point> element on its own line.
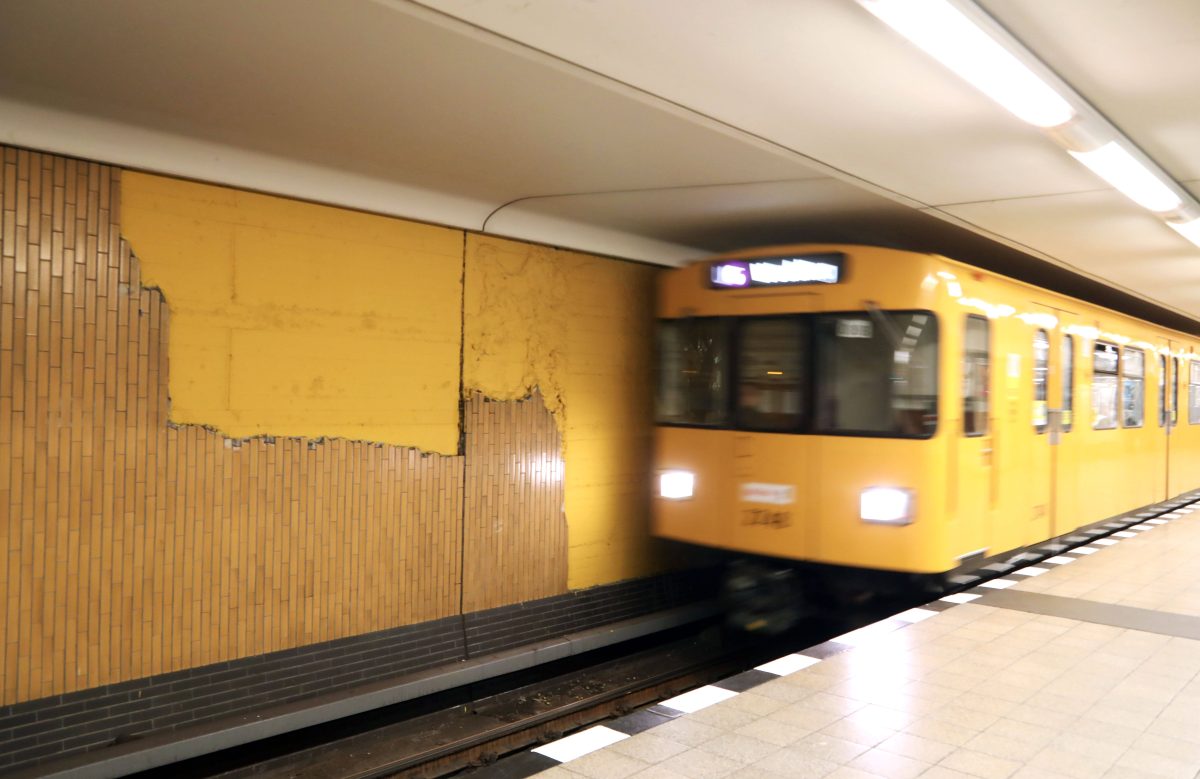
<point>656,130</point>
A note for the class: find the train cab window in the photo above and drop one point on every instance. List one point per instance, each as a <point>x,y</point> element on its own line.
<point>1133,372</point>
<point>772,363</point>
<point>975,376</point>
<point>693,372</point>
<point>1163,413</point>
<point>1041,378</point>
<point>1104,386</point>
<point>876,374</point>
<point>1194,392</point>
<point>1068,382</point>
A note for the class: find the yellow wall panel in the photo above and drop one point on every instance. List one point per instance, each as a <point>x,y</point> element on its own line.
<point>579,328</point>
<point>335,323</point>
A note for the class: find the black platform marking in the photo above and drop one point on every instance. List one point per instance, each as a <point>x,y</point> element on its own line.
<point>1164,623</point>
<point>518,766</point>
<point>746,680</point>
<point>638,722</point>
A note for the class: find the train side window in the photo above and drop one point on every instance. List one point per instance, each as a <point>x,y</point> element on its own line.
<point>1133,374</point>
<point>1068,384</point>
<point>1194,392</point>
<point>1162,391</point>
<point>1041,373</point>
<point>1104,386</point>
<point>975,376</point>
<point>772,357</point>
<point>693,372</point>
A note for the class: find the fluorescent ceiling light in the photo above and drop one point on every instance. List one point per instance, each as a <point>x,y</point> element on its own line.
<point>1189,230</point>
<point>1134,180</point>
<point>949,36</point>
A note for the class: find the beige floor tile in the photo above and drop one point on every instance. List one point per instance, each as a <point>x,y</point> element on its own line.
<point>754,703</point>
<point>687,731</point>
<point>883,716</point>
<point>826,747</point>
<point>606,764</point>
<point>741,748</point>
<point>723,717</point>
<point>859,732</point>
<point>809,719</point>
<point>889,764</point>
<point>790,763</point>
<point>774,732</point>
<point>1158,765</point>
<point>980,764</point>
<point>1072,764</point>
<point>918,748</point>
<point>698,764</point>
<point>1179,749</point>
<point>649,747</point>
<point>657,772</point>
<point>846,772</point>
<point>943,772</point>
<point>753,772</point>
<point>944,731</point>
<point>1001,746</point>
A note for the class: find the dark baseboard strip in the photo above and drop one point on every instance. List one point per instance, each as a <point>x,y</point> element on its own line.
<point>171,747</point>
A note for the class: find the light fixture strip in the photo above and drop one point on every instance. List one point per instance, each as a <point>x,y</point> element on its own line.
<point>965,38</point>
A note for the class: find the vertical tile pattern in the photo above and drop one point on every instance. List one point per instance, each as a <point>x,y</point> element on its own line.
<point>131,547</point>
<point>515,536</point>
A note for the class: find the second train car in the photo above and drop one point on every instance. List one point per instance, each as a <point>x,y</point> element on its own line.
<point>864,410</point>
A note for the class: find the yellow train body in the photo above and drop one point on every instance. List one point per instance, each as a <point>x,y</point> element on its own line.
<point>1023,479</point>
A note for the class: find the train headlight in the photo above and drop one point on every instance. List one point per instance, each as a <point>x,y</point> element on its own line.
<point>890,505</point>
<point>676,485</point>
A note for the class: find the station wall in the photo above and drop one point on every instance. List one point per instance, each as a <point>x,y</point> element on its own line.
<point>232,424</point>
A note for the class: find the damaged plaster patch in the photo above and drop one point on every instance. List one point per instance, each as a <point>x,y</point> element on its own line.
<point>516,323</point>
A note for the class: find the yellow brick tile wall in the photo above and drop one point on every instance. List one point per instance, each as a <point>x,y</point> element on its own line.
<point>143,531</point>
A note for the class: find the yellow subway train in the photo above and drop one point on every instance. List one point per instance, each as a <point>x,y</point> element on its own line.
<point>879,410</point>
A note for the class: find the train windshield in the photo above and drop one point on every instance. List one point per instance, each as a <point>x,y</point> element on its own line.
<point>869,373</point>
<point>693,372</point>
<point>876,375</point>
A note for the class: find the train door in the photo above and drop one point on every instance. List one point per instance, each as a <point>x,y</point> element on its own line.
<point>1178,373</point>
<point>1063,441</point>
<point>1041,462</point>
<point>975,471</point>
<point>1054,459</point>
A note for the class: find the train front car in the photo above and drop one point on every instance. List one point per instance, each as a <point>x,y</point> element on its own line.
<point>801,409</point>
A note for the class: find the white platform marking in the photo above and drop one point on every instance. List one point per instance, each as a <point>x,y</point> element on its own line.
<point>1084,550</point>
<point>785,666</point>
<point>1060,560</point>
<point>1141,527</point>
<point>1106,541</point>
<point>961,597</point>
<point>581,743</point>
<point>1031,570</point>
<point>1124,534</point>
<point>916,615</point>
<point>1158,521</point>
<point>866,634</point>
<point>998,584</point>
<point>699,698</point>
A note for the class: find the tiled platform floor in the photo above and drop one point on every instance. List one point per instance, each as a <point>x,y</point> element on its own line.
<point>1085,665</point>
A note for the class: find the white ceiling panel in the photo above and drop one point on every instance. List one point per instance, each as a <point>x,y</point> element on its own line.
<point>1128,248</point>
<point>650,130</point>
